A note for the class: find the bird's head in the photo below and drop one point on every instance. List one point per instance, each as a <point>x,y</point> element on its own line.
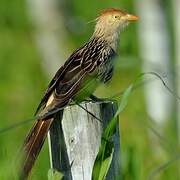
<point>111,22</point>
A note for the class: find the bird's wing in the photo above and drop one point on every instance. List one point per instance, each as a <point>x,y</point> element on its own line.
<point>68,79</point>
<point>51,87</point>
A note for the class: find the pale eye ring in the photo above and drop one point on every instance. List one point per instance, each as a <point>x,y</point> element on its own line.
<point>116,16</point>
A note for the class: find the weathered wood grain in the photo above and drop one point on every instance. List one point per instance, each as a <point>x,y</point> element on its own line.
<point>74,141</point>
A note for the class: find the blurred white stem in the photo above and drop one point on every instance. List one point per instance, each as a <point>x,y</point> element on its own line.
<point>177,46</point>
<point>49,33</point>
<point>155,53</point>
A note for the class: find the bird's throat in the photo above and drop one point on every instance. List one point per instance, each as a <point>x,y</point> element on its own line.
<point>112,39</point>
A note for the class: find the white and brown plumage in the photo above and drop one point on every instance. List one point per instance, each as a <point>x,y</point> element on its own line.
<point>77,78</point>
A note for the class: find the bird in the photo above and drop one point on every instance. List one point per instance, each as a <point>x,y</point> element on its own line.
<point>77,79</point>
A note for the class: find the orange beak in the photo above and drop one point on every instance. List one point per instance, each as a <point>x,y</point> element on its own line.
<point>131,17</point>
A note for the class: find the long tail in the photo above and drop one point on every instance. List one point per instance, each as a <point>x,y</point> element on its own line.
<point>33,144</point>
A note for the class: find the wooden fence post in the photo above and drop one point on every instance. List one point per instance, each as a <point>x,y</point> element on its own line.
<point>74,142</point>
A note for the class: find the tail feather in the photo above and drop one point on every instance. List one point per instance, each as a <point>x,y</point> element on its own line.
<point>33,144</point>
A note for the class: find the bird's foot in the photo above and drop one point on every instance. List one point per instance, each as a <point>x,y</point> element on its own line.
<point>96,99</point>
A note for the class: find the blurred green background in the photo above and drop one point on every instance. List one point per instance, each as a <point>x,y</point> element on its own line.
<point>145,146</point>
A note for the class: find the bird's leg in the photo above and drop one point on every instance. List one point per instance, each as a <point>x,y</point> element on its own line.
<point>96,99</point>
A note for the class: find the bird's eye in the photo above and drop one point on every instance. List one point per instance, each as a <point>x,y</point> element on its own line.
<point>116,16</point>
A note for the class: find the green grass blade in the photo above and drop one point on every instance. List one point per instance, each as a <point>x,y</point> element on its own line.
<point>105,154</point>
<point>54,175</point>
